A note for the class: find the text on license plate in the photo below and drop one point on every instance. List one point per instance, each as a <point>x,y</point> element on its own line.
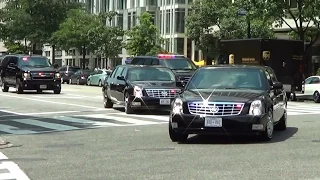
<point>165,101</point>
<point>43,86</point>
<point>213,122</point>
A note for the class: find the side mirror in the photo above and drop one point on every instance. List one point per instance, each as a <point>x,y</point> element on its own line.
<point>12,66</point>
<point>277,85</point>
<point>120,78</point>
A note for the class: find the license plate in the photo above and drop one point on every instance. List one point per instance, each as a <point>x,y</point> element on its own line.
<point>213,122</point>
<point>165,101</point>
<point>43,86</point>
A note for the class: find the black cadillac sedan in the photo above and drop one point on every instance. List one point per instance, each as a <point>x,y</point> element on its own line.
<point>229,100</point>
<point>140,87</point>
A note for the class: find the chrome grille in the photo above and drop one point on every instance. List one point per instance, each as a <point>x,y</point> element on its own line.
<point>162,93</point>
<point>215,108</point>
<point>43,76</point>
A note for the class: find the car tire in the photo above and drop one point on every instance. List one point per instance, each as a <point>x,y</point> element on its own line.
<point>267,134</point>
<point>316,97</point>
<point>62,81</point>
<point>19,89</point>
<point>100,83</point>
<point>176,136</point>
<point>282,124</point>
<point>127,104</point>
<point>70,81</point>
<point>88,82</point>
<point>57,91</point>
<point>4,87</point>
<point>107,102</point>
<point>78,81</point>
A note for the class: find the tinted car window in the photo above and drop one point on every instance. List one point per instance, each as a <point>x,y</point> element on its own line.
<point>228,78</point>
<point>150,74</point>
<point>34,62</point>
<point>177,63</point>
<point>73,69</point>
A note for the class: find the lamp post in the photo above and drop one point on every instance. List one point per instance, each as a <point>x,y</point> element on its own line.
<point>243,12</point>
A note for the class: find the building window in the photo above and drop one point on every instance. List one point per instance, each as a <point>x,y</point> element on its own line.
<point>161,21</point>
<point>153,14</point>
<point>120,21</point>
<point>190,1</point>
<point>120,4</point>
<point>180,1</point>
<point>134,18</point>
<point>180,20</point>
<point>179,43</point>
<point>168,2</point>
<point>292,3</point>
<point>129,21</point>
<point>168,22</point>
<point>152,2</point>
<point>47,53</point>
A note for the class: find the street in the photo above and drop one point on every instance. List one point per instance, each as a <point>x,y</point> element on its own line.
<point>71,136</point>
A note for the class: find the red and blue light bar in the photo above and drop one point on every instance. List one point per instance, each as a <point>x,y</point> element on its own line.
<point>166,56</point>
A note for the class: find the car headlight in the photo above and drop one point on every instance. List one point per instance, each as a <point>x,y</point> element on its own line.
<point>256,108</point>
<point>57,75</point>
<point>137,92</point>
<point>177,106</point>
<point>26,75</point>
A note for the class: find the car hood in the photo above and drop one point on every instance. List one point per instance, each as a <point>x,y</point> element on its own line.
<point>38,69</point>
<point>154,84</point>
<point>222,95</point>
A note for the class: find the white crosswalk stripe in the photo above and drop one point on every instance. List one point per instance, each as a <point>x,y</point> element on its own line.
<point>34,125</point>
<point>302,108</point>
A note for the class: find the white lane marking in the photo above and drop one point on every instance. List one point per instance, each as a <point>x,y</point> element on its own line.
<point>121,119</point>
<point>56,97</point>
<point>15,171</point>
<point>53,112</point>
<point>154,117</point>
<point>82,96</point>
<point>83,121</point>
<point>300,113</point>
<point>10,112</point>
<point>52,102</point>
<point>14,130</point>
<point>47,125</point>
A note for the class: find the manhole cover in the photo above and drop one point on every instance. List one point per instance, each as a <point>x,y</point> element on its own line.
<point>155,149</point>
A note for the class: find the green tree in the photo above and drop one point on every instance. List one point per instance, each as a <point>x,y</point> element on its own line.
<point>106,39</point>
<point>34,20</point>
<point>223,20</point>
<point>74,32</point>
<point>144,39</point>
<point>14,47</point>
<point>303,13</point>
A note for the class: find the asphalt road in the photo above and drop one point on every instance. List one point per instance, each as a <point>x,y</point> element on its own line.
<point>142,149</point>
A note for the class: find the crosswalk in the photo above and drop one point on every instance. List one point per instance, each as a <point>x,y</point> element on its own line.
<point>34,125</point>
<point>21,125</point>
<point>301,108</point>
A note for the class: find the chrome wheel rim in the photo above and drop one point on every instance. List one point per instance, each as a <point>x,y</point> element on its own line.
<point>316,95</point>
<point>126,100</point>
<point>270,126</point>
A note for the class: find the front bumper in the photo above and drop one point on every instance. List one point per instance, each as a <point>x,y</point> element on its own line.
<point>150,103</point>
<point>239,124</point>
<point>41,84</point>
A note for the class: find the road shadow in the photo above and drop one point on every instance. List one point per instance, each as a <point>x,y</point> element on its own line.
<point>145,112</point>
<point>278,136</point>
<point>31,92</point>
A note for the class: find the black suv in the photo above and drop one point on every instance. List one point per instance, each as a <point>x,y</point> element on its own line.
<point>140,87</point>
<point>25,72</point>
<point>229,99</point>
<point>180,65</point>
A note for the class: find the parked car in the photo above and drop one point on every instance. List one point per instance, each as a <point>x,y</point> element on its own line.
<point>140,87</point>
<point>97,77</point>
<point>80,77</point>
<point>66,72</point>
<point>25,72</point>
<point>310,90</point>
<point>229,100</point>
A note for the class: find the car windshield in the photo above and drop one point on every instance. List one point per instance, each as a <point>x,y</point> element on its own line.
<point>35,62</point>
<point>150,74</point>
<point>178,64</point>
<point>227,78</point>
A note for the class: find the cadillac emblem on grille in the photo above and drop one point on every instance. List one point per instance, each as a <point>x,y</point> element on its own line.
<point>164,93</point>
<point>214,109</point>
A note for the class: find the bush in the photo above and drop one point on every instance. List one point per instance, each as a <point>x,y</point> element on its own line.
<point>318,72</point>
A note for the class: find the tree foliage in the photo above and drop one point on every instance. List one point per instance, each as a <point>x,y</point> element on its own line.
<point>144,39</point>
<point>222,19</point>
<point>14,47</point>
<point>106,38</point>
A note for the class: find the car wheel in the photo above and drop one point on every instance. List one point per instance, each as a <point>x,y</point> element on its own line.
<point>19,89</point>
<point>316,97</point>
<point>282,124</point>
<point>4,87</point>
<point>62,81</point>
<point>176,136</point>
<point>57,91</point>
<point>88,82</point>
<point>127,104</point>
<point>100,83</point>
<point>268,132</point>
<point>293,97</point>
<point>70,81</point>
<point>107,101</point>
<point>78,81</point>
